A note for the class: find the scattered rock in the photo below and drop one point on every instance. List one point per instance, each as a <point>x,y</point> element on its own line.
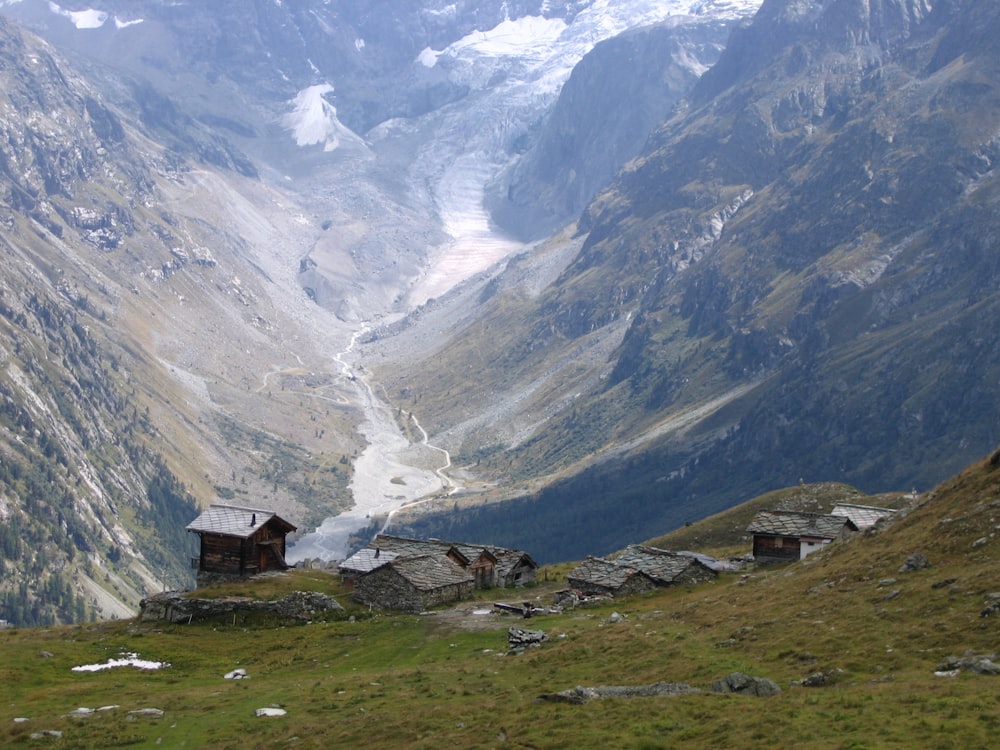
<point>237,674</point>
<point>46,733</point>
<point>891,595</point>
<point>580,695</point>
<point>820,679</point>
<point>20,719</point>
<point>616,617</point>
<point>519,639</point>
<point>566,599</point>
<point>991,609</point>
<point>154,713</point>
<point>886,582</point>
<point>982,664</point>
<point>944,583</point>
<point>916,561</point>
<point>737,682</point>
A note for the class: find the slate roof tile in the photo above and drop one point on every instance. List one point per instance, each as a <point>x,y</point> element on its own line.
<point>798,524</point>
<point>232,520</point>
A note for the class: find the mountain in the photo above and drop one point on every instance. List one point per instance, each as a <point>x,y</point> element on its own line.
<point>151,353</point>
<point>246,187</point>
<point>795,279</point>
<point>293,266</point>
<point>614,98</point>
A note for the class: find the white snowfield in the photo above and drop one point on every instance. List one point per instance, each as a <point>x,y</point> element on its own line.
<point>313,120</point>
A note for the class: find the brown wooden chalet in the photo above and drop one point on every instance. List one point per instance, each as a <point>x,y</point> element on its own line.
<point>238,542</point>
<point>784,536</point>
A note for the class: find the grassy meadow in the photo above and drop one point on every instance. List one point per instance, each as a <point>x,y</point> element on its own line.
<point>444,679</point>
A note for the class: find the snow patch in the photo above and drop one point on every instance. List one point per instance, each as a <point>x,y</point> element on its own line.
<point>121,24</point>
<point>88,18</point>
<point>82,19</point>
<point>507,39</point>
<point>313,120</point>
<point>126,660</point>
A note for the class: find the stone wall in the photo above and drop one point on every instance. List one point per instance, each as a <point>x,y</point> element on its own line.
<point>385,588</point>
<point>173,606</point>
<point>695,574</point>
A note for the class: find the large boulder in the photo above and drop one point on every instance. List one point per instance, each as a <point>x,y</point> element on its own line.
<point>737,682</point>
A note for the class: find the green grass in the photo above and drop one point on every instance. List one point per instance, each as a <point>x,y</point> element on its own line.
<point>427,681</point>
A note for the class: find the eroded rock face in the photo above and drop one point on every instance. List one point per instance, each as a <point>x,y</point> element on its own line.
<point>616,95</point>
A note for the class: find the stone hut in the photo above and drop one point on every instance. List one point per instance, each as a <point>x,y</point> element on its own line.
<point>862,516</point>
<point>785,536</point>
<point>666,568</point>
<point>362,562</point>
<point>414,583</point>
<point>514,568</point>
<point>595,575</point>
<point>237,542</point>
<point>489,565</point>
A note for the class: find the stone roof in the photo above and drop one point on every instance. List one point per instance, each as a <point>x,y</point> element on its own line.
<point>506,558</point>
<point>659,564</point>
<point>862,516</point>
<point>366,560</point>
<point>797,524</point>
<point>415,547</point>
<point>713,562</point>
<point>232,520</point>
<point>604,573</point>
<point>429,572</point>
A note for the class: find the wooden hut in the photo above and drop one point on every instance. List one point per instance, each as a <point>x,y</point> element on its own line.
<point>785,536</point>
<point>238,542</point>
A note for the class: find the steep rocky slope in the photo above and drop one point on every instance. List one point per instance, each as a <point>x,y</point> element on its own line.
<point>797,277</point>
<point>149,350</point>
<point>613,100</point>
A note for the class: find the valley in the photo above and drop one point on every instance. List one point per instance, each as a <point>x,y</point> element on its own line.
<point>546,274</point>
